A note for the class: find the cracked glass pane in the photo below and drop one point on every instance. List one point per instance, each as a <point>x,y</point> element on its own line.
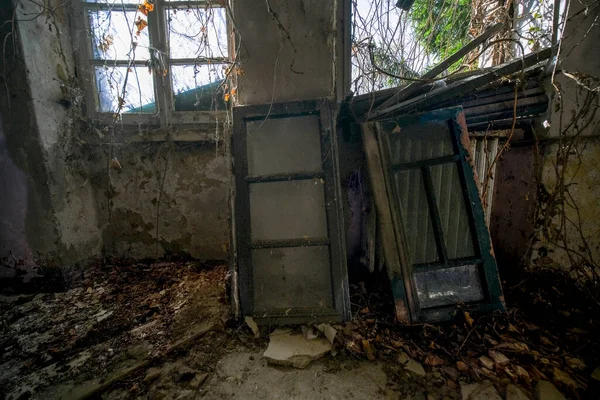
<point>197,32</point>
<point>449,286</point>
<point>198,87</point>
<point>114,36</point>
<point>139,89</point>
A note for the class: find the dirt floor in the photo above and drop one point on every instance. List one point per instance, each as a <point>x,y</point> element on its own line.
<point>164,331</point>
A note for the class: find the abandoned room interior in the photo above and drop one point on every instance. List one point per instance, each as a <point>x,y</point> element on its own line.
<point>282,199</point>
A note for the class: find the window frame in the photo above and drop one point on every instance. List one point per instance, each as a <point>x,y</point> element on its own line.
<point>165,115</point>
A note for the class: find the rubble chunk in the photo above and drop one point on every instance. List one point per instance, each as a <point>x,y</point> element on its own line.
<point>152,374</point>
<point>513,392</point>
<point>414,367</point>
<point>198,380</point>
<point>252,325</point>
<point>479,391</point>
<point>523,374</point>
<point>328,331</point>
<point>486,362</point>
<point>499,358</point>
<point>293,349</point>
<point>547,391</point>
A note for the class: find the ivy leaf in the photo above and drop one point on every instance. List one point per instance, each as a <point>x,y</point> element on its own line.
<point>146,8</point>
<point>141,24</point>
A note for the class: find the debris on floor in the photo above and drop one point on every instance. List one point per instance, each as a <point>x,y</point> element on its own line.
<point>294,349</point>
<point>119,320</point>
<point>162,331</point>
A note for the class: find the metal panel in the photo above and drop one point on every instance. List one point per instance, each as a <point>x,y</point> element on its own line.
<point>435,196</point>
<point>290,257</point>
<point>484,151</point>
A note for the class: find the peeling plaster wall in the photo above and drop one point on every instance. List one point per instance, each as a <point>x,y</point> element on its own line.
<point>278,67</point>
<point>63,207</point>
<point>192,215</point>
<point>53,216</point>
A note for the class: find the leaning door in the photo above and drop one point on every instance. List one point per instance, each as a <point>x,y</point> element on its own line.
<point>290,253</point>
<point>440,228</point>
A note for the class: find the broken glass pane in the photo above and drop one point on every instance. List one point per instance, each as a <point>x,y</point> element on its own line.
<point>198,87</point>
<point>291,277</point>
<point>448,286</point>
<point>139,89</point>
<point>114,36</point>
<point>273,144</point>
<point>420,142</point>
<point>197,32</point>
<point>453,212</point>
<point>416,217</point>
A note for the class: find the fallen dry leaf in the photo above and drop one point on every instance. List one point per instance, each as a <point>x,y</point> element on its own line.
<point>468,318</point>
<point>368,349</point>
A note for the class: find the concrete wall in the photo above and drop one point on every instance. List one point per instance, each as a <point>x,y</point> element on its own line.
<point>181,187</point>
<point>287,53</point>
<point>48,216</point>
<point>55,185</point>
<point>569,166</point>
<point>63,204</point>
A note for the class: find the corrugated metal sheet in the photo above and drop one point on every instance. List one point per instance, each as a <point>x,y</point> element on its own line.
<point>484,151</point>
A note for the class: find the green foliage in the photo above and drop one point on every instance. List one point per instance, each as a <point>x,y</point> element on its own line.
<point>441,26</point>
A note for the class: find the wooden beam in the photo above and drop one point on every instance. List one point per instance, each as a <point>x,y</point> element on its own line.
<point>441,67</point>
<point>382,194</point>
<point>430,100</point>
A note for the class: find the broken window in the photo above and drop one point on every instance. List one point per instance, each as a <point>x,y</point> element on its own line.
<point>439,254</point>
<point>148,57</point>
<point>288,224</point>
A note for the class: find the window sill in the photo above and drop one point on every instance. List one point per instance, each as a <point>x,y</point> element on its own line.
<point>193,129</point>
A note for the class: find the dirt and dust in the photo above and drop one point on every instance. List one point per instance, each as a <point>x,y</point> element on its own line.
<point>164,331</point>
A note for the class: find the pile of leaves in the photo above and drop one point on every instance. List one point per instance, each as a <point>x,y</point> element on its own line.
<point>511,347</point>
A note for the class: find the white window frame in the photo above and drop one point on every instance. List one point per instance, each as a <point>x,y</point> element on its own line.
<point>165,115</point>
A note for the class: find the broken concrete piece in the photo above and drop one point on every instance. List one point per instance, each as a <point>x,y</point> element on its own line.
<point>198,380</point>
<point>102,315</point>
<point>499,358</point>
<point>480,391</point>
<point>152,374</point>
<point>513,392</point>
<point>486,362</point>
<point>328,331</point>
<point>309,332</point>
<point>414,367</point>
<point>547,391</point>
<point>523,374</point>
<point>252,325</point>
<point>294,350</point>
